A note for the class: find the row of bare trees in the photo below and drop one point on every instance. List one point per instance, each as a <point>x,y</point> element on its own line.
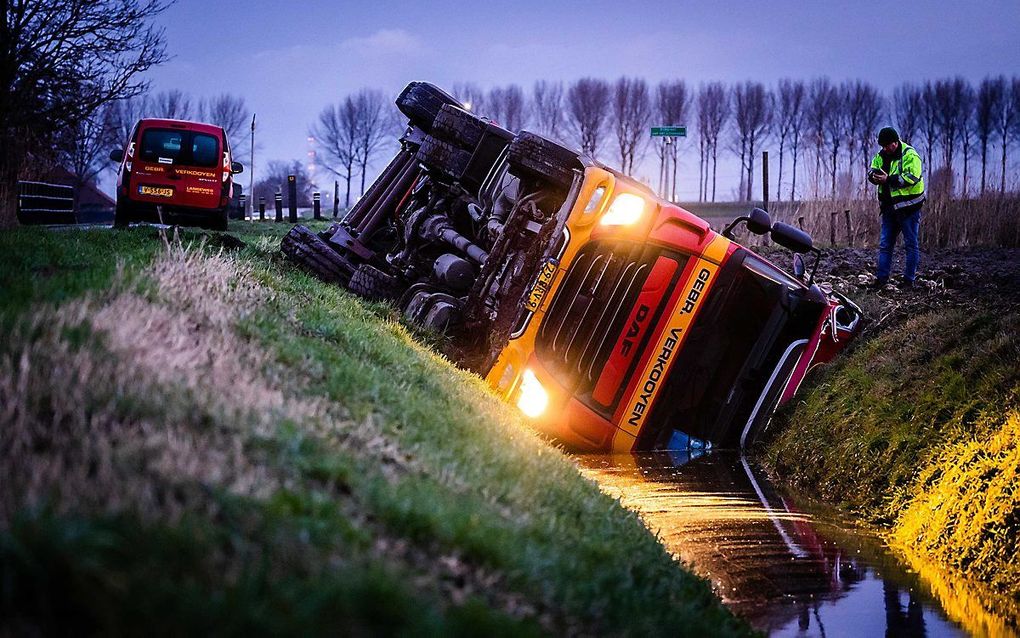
<point>823,128</point>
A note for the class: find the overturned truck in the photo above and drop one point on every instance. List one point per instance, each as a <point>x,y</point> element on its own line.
<point>615,320</point>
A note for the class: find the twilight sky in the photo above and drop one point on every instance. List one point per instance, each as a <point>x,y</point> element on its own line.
<point>289,59</point>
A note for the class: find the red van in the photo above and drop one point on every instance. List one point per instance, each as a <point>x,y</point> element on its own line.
<point>173,169</point>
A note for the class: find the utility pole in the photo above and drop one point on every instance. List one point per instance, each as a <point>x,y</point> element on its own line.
<point>251,167</point>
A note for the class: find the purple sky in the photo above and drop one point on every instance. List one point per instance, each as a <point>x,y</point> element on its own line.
<point>289,59</point>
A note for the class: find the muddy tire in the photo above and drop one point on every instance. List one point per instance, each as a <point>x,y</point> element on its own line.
<point>458,126</point>
<point>309,251</point>
<point>373,284</point>
<point>421,103</point>
<point>533,156</point>
<point>443,156</point>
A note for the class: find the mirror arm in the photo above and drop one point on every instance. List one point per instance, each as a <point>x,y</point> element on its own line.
<point>814,268</point>
<point>728,231</point>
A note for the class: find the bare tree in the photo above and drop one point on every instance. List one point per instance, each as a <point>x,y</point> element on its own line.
<point>173,105</point>
<point>229,112</point>
<point>790,99</point>
<point>968,105</point>
<point>471,96</point>
<point>909,110</point>
<point>863,109</point>
<point>123,115</point>
<point>507,106</point>
<point>950,104</point>
<point>83,147</point>
<point>587,111</point>
<point>672,102</point>
<point>275,181</point>
<point>822,106</point>
<point>929,125</point>
<point>60,62</point>
<point>373,122</point>
<point>752,114</point>
<point>1008,123</point>
<point>336,134</point>
<point>989,103</point>
<point>713,114</point>
<point>632,110</point>
<point>547,107</point>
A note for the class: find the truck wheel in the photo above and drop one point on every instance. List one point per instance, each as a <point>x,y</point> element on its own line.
<point>373,284</point>
<point>121,216</point>
<point>307,250</point>
<point>421,103</point>
<point>534,156</point>
<point>443,156</point>
<point>458,126</point>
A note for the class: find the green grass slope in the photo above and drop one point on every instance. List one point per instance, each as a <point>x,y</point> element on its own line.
<point>204,440</point>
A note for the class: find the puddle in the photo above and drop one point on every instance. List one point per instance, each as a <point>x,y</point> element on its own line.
<point>787,570</point>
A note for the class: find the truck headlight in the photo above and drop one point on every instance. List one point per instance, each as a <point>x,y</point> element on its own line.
<point>626,209</point>
<point>533,399</point>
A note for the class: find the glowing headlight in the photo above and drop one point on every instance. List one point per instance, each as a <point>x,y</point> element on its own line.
<point>533,399</point>
<point>625,209</point>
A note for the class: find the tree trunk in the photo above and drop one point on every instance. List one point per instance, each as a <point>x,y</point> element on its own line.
<point>779,178</point>
<point>835,157</point>
<point>9,169</point>
<point>984,160</point>
<point>793,187</point>
<point>347,200</point>
<point>715,165</point>
<point>364,169</point>
<point>1002,188</point>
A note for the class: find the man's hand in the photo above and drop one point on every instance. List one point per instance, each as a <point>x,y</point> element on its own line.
<point>880,178</point>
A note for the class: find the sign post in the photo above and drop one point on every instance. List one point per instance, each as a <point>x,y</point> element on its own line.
<point>669,135</point>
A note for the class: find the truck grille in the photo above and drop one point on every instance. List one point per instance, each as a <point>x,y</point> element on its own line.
<point>587,315</point>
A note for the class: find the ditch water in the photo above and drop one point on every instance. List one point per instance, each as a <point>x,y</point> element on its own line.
<point>774,559</point>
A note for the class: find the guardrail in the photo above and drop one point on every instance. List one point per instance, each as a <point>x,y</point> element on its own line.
<point>42,203</point>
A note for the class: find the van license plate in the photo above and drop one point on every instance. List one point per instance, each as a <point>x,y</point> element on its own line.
<point>155,191</point>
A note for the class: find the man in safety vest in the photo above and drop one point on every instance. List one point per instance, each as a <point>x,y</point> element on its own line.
<point>896,172</point>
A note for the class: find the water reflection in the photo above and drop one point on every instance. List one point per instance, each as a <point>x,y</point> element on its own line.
<point>788,571</point>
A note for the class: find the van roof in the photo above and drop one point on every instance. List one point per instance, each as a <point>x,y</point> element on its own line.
<point>181,124</point>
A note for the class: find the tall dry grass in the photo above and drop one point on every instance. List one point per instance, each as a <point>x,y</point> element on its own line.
<point>990,220</point>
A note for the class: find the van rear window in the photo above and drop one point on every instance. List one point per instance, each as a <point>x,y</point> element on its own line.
<point>185,148</point>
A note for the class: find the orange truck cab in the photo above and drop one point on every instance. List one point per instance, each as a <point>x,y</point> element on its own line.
<point>175,169</point>
<point>651,329</point>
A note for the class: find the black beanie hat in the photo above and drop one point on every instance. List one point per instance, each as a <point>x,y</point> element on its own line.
<point>888,135</point>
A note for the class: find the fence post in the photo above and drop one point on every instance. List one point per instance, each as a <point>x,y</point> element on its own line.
<point>336,198</point>
<point>292,197</point>
<point>262,208</point>
<point>765,180</point>
<point>316,205</point>
<point>279,206</point>
<point>849,228</point>
<point>244,206</point>
<point>832,228</point>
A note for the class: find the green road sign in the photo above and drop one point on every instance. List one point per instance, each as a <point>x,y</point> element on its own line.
<point>669,131</point>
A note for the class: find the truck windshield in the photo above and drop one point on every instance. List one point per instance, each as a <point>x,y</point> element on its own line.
<point>187,148</point>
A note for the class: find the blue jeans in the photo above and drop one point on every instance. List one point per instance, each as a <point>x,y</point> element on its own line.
<point>893,225</point>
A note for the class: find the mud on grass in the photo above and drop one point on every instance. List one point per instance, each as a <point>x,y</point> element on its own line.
<point>216,442</point>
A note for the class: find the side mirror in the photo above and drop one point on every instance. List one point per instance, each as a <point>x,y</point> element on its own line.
<point>799,268</point>
<point>759,222</point>
<point>117,155</point>
<point>236,167</point>
<point>791,237</point>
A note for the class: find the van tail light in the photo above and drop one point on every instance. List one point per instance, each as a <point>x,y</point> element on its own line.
<point>131,150</point>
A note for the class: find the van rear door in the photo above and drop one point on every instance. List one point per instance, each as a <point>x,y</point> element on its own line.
<point>177,167</point>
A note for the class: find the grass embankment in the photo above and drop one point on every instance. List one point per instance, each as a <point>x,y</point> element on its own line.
<point>918,430</point>
<point>209,441</point>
